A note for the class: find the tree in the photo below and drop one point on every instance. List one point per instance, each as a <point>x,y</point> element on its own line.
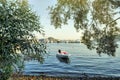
<point>17,42</point>
<point>98,19</point>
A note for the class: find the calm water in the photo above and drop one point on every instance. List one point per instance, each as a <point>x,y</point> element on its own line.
<point>82,61</point>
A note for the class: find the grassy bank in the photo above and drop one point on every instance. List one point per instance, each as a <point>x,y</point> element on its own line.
<point>43,77</point>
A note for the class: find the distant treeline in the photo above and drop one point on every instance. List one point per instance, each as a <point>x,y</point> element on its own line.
<point>53,40</point>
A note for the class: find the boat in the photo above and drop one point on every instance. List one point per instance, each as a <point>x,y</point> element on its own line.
<point>63,58</point>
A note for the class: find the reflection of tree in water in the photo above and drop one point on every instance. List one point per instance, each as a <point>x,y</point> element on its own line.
<point>98,19</point>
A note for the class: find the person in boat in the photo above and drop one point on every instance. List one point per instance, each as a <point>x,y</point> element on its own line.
<point>62,52</point>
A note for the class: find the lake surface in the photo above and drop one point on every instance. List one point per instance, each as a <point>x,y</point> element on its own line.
<point>82,61</point>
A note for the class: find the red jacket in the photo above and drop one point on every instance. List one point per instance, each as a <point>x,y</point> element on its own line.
<point>63,52</point>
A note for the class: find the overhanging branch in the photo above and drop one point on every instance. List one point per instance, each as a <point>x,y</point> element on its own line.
<point>113,21</point>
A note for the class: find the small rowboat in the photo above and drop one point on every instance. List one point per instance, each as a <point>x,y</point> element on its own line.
<point>63,58</point>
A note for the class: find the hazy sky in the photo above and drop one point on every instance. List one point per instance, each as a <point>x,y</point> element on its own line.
<point>66,32</point>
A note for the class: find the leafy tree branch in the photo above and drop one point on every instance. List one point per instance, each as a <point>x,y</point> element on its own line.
<point>17,42</point>
<point>94,17</point>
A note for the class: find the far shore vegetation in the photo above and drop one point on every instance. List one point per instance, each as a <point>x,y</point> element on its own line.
<point>53,40</point>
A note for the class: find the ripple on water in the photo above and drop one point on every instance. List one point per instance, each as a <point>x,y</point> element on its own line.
<point>82,61</point>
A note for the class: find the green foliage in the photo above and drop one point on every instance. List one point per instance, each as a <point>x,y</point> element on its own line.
<point>66,10</point>
<point>17,42</point>
<point>96,18</point>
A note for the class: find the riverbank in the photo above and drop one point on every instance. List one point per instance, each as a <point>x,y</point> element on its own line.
<point>44,77</point>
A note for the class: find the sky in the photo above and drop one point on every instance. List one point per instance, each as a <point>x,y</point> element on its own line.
<point>64,33</point>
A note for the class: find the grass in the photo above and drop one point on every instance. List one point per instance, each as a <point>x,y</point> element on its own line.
<point>44,77</point>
